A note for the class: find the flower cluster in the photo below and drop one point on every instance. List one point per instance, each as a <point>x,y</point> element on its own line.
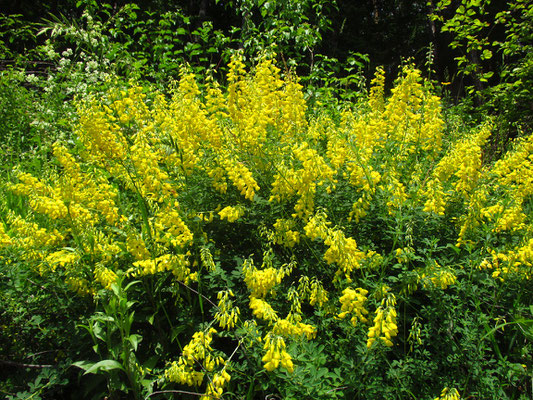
<point>105,276</point>
<point>353,302</point>
<point>227,314</point>
<point>449,394</point>
<point>276,354</point>
<point>384,327</point>
<point>32,238</point>
<point>242,178</point>
<point>262,281</point>
<point>284,233</point>
<point>518,262</point>
<point>285,328</point>
<point>61,258</point>
<point>169,228</point>
<point>178,264</point>
<point>197,360</point>
<point>312,290</point>
<point>463,164</point>
<point>341,250</point>
<point>230,213</point>
<point>436,276</point>
<point>302,181</point>
<point>262,310</point>
<point>5,240</point>
<point>215,388</point>
<point>141,193</point>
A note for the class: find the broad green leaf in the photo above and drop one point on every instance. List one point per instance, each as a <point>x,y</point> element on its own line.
<point>104,365</point>
<point>135,340</point>
<point>84,365</point>
<point>487,54</point>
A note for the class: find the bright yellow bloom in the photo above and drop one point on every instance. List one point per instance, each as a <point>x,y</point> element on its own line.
<point>170,228</point>
<point>449,394</point>
<point>175,263</point>
<point>262,310</point>
<point>352,302</point>
<point>227,314</point>
<point>262,281</point>
<point>105,276</point>
<point>197,351</point>
<point>384,327</point>
<point>230,213</point>
<point>5,240</point>
<point>59,258</point>
<point>276,354</point>
<point>284,233</point>
<point>242,178</point>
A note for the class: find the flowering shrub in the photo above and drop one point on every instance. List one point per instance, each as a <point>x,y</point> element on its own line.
<point>294,224</point>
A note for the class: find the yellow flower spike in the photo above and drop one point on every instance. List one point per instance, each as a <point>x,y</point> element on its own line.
<point>286,362</point>
<point>449,394</point>
<point>262,281</point>
<point>227,314</point>
<point>197,350</point>
<point>105,276</point>
<point>384,327</point>
<point>352,302</point>
<point>5,239</point>
<point>270,366</point>
<point>170,228</point>
<point>261,309</point>
<point>242,178</point>
<point>284,235</point>
<point>276,354</point>
<point>178,264</point>
<point>29,236</point>
<point>230,213</point>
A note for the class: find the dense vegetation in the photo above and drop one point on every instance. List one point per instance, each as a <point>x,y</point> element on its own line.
<point>259,199</point>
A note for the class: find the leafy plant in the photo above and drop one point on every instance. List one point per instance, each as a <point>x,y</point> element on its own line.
<point>236,242</point>
<point>114,342</point>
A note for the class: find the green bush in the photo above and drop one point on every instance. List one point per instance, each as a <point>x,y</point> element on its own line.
<point>238,244</point>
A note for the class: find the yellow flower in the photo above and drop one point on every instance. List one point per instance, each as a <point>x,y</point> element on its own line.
<point>261,309</point>
<point>384,327</point>
<point>284,233</point>
<point>276,354</point>
<point>230,213</point>
<point>105,276</point>
<point>226,314</point>
<point>170,228</point>
<point>262,281</point>
<point>197,353</point>
<point>242,178</point>
<point>352,302</point>
<point>449,394</point>
<point>5,240</point>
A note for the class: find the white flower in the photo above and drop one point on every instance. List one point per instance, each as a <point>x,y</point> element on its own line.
<point>31,78</point>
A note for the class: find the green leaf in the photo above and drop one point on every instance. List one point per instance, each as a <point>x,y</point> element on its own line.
<point>104,365</point>
<point>135,340</point>
<point>84,365</point>
<point>487,54</point>
<point>131,284</point>
<point>175,331</point>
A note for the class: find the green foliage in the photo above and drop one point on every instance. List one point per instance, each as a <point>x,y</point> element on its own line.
<point>16,109</point>
<point>388,210</point>
<point>17,36</point>
<point>115,343</point>
<point>495,46</point>
<point>294,27</point>
<point>127,329</point>
<point>38,340</point>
